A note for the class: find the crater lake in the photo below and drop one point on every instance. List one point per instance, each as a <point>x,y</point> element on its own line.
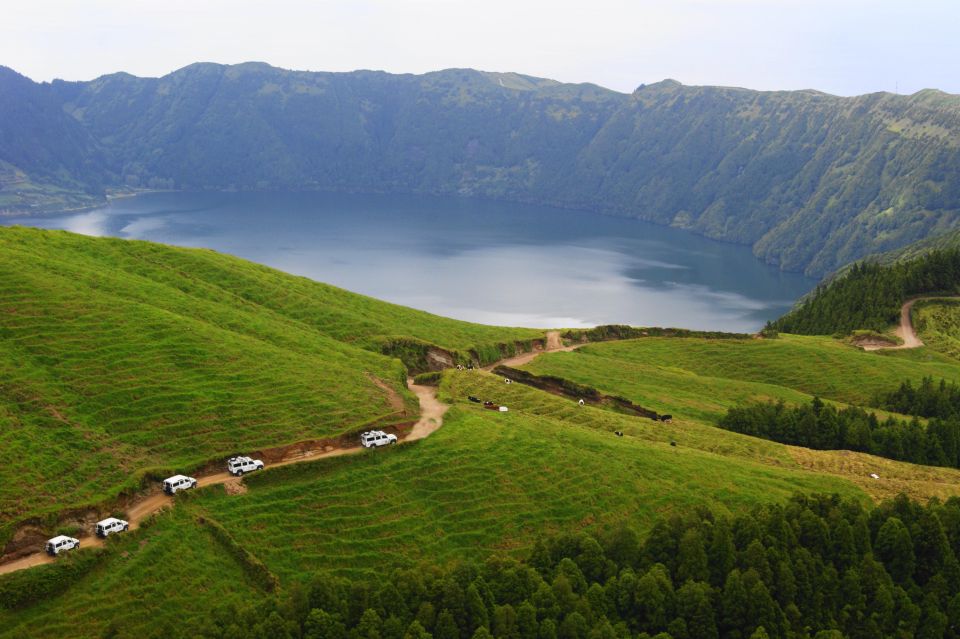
<point>482,261</point>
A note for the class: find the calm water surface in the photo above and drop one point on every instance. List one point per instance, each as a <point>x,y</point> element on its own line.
<point>490,262</point>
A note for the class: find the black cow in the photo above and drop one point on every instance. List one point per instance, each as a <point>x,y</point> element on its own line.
<point>474,399</point>
<point>666,418</point>
<point>618,433</point>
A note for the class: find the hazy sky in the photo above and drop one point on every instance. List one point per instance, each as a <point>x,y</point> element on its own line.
<point>840,46</point>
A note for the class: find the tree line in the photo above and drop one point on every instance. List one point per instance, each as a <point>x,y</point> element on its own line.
<point>817,567</point>
<point>824,427</point>
<point>869,295</point>
<point>929,399</point>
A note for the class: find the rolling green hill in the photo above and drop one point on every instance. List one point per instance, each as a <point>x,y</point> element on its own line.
<point>121,358</point>
<point>811,181</point>
<point>487,484</point>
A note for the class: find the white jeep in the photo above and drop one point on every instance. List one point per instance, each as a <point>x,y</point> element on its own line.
<point>237,466</point>
<point>111,525</point>
<point>374,438</point>
<point>60,543</point>
<point>173,485</point>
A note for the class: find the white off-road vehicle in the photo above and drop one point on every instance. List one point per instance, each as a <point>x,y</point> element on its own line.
<point>111,525</point>
<point>173,485</point>
<point>237,466</point>
<point>61,543</point>
<point>374,438</point>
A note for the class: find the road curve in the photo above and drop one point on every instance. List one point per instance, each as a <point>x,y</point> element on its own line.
<point>905,330</point>
<point>432,411</point>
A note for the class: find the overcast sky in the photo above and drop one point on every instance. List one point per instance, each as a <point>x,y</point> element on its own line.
<point>840,46</point>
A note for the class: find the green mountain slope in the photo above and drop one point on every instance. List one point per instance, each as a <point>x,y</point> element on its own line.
<point>119,357</point>
<point>811,181</point>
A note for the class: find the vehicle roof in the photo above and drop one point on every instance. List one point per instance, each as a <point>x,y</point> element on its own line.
<point>240,458</point>
<point>176,478</point>
<point>59,538</point>
<point>110,520</point>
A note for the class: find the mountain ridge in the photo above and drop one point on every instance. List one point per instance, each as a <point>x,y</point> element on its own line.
<point>810,180</point>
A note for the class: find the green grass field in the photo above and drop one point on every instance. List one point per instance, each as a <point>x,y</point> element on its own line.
<point>705,377</point>
<point>121,356</point>
<point>485,484</point>
<point>117,356</point>
<point>164,581</point>
<point>937,323</point>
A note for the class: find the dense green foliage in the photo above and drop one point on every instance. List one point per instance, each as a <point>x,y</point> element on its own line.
<point>812,181</point>
<point>121,360</point>
<point>825,427</point>
<point>814,567</point>
<point>869,295</point>
<point>928,399</point>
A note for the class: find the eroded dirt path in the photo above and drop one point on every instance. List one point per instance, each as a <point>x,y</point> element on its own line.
<point>554,344</point>
<point>432,411</point>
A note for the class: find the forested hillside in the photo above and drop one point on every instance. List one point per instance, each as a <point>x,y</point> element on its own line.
<point>869,295</point>
<point>811,181</point>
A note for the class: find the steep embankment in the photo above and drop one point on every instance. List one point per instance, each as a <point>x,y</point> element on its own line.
<point>123,361</point>
<point>811,181</point>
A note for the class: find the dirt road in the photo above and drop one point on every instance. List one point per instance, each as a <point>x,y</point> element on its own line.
<point>554,344</point>
<point>432,411</point>
<point>156,501</point>
<point>905,330</point>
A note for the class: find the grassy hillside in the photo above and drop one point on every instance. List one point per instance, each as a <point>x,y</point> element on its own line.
<point>937,323</point>
<point>486,484</point>
<point>702,378</point>
<point>117,357</point>
<point>165,581</point>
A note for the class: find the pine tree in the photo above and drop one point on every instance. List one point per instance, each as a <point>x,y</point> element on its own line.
<point>692,563</point>
<point>446,626</point>
<point>416,631</point>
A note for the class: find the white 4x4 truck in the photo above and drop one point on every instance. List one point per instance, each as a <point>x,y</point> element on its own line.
<point>374,438</point>
<point>60,543</point>
<point>111,525</point>
<point>173,485</point>
<point>237,466</point>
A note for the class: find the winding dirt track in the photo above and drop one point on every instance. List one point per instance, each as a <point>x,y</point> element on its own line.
<point>905,330</point>
<point>432,411</point>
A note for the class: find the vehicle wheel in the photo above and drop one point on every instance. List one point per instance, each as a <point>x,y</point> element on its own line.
<point>126,528</point>
<point>239,473</point>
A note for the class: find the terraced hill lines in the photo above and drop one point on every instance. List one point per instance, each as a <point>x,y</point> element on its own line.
<point>122,359</point>
<point>486,483</point>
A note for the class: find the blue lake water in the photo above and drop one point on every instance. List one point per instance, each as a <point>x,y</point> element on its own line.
<point>490,262</point>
